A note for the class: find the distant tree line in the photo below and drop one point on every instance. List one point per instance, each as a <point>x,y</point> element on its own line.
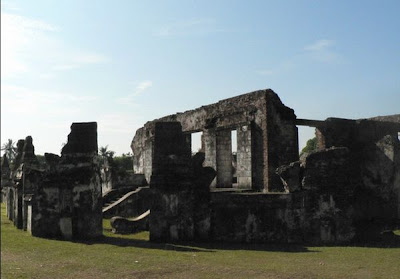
<point>120,164</point>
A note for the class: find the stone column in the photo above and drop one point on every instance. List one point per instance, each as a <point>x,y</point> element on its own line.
<point>188,141</point>
<point>224,158</point>
<point>244,170</point>
<point>210,149</point>
<point>172,209</point>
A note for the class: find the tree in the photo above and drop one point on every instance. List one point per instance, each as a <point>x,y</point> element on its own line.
<point>104,152</point>
<point>123,163</point>
<point>311,145</point>
<point>9,149</point>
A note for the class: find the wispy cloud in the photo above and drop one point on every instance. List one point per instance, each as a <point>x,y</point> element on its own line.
<point>139,89</point>
<point>77,60</point>
<point>189,27</point>
<point>319,45</point>
<point>8,5</point>
<point>32,46</point>
<point>143,86</point>
<point>322,51</point>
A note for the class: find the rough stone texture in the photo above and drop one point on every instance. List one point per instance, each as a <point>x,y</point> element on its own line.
<point>244,157</point>
<point>269,124</point>
<point>224,159</point>
<point>328,175</point>
<point>82,139</point>
<point>178,198</point>
<point>132,203</point>
<point>377,200</point>
<point>325,170</point>
<point>171,216</point>
<point>374,162</point>
<point>124,225</point>
<point>28,154</point>
<point>258,217</point>
<point>290,176</point>
<point>395,118</point>
<point>5,178</point>
<point>64,199</point>
<point>18,156</point>
<point>314,213</point>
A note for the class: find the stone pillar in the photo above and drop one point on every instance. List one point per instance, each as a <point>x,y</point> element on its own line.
<point>224,158</point>
<point>244,155</point>
<point>80,169</point>
<point>188,141</point>
<point>173,199</point>
<point>210,150</point>
<point>18,196</point>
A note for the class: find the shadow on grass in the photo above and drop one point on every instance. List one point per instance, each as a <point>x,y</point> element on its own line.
<point>388,240</point>
<point>138,243</point>
<point>192,246</point>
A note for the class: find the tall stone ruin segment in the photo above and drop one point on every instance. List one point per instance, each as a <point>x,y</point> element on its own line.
<point>63,200</point>
<point>265,127</point>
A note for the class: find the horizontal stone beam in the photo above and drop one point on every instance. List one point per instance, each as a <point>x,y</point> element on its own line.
<point>310,123</point>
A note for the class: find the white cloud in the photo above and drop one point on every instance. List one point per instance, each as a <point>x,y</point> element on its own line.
<point>31,47</point>
<point>143,86</point>
<point>8,5</point>
<point>319,45</point>
<point>139,89</point>
<point>17,35</point>
<point>321,51</point>
<point>22,101</point>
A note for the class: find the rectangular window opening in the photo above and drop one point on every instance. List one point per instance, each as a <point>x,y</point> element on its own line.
<point>234,156</point>
<point>197,142</point>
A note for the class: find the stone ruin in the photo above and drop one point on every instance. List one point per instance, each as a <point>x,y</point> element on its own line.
<point>347,190</point>
<point>63,200</point>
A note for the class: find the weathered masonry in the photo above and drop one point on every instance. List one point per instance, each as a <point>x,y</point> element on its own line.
<point>266,139</point>
<point>347,190</point>
<point>62,199</point>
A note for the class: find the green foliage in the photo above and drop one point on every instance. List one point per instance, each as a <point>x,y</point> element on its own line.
<point>311,145</point>
<point>123,163</point>
<point>10,149</point>
<point>104,152</point>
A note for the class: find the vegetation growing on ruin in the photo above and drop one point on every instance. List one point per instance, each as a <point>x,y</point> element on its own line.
<point>311,145</point>
<point>132,256</point>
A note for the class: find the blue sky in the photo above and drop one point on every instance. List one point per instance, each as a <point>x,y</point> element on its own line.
<point>122,63</point>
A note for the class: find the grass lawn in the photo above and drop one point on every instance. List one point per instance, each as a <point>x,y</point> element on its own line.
<point>132,256</point>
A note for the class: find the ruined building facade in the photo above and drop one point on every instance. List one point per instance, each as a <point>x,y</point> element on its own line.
<point>347,190</point>
<point>266,139</point>
<point>62,200</point>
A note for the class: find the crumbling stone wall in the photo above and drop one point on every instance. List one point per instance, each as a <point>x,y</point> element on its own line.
<point>179,187</point>
<point>333,195</point>
<point>265,128</point>
<point>63,200</point>
<point>374,162</point>
<point>317,209</point>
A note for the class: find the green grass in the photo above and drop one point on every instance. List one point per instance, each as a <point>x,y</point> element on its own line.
<point>132,256</point>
